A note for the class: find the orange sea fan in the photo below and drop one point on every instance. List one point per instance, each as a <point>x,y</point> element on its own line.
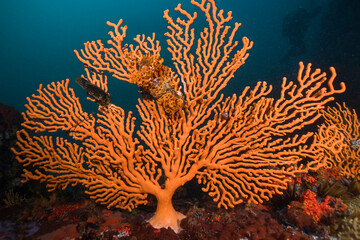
<point>343,125</point>
<point>241,148</point>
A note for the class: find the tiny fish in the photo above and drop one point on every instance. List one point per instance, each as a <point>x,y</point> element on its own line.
<point>100,96</point>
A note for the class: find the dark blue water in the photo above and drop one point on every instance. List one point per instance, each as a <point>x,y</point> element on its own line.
<point>38,38</point>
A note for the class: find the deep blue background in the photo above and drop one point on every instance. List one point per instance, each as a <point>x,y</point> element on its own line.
<point>38,38</point>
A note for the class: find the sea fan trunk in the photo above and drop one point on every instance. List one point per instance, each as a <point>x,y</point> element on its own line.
<point>165,215</point>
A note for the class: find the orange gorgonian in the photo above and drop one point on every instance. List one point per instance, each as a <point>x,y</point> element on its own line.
<point>240,148</point>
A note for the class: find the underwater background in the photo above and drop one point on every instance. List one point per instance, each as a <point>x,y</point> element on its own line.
<point>38,39</point>
<point>37,44</point>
